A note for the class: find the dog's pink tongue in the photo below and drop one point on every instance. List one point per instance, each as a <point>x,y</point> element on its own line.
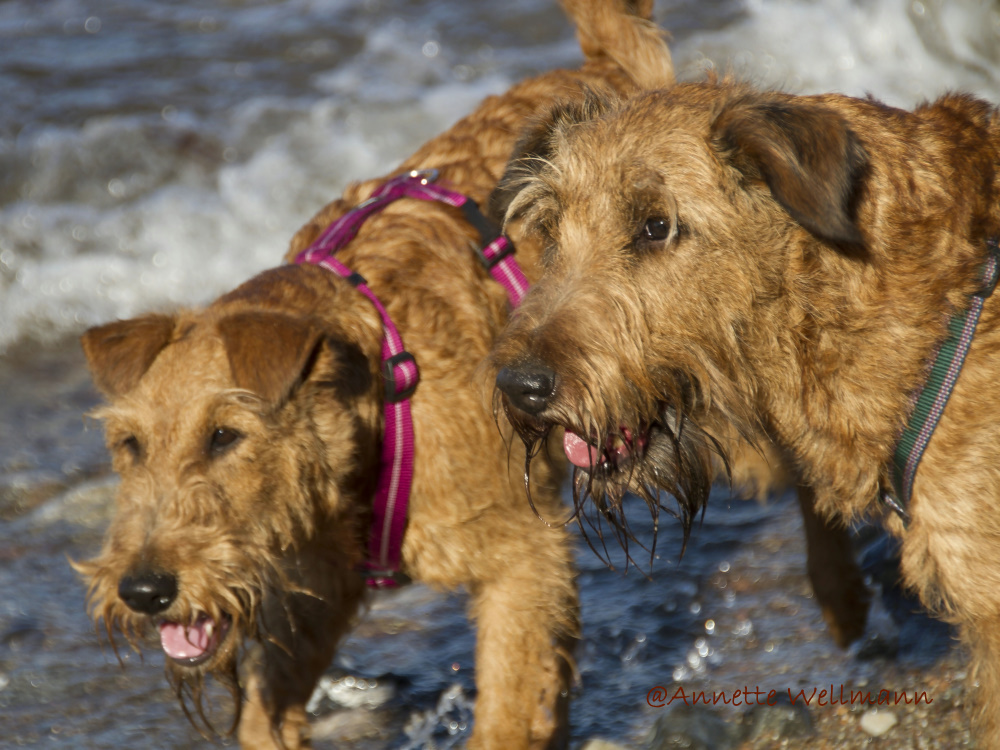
<point>579,451</point>
<point>186,641</point>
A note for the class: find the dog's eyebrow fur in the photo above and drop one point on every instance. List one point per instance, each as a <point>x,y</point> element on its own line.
<point>533,154</point>
<point>648,198</point>
<point>537,203</point>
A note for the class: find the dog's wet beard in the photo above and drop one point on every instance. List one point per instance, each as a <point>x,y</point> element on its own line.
<point>271,616</point>
<point>677,461</point>
<point>189,684</point>
<point>262,612</point>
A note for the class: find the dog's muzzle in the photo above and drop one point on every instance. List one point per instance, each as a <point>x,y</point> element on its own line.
<point>189,644</point>
<point>530,388</point>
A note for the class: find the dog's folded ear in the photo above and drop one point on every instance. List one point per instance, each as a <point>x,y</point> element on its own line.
<point>118,354</point>
<point>269,353</point>
<point>806,154</point>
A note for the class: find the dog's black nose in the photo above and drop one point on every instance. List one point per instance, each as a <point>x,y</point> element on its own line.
<point>529,387</point>
<point>149,593</point>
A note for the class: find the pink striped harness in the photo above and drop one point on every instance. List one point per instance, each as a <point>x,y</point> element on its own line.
<point>399,368</point>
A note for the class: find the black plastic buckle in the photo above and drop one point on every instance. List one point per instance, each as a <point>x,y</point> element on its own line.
<point>393,396</point>
<point>990,281</point>
<point>488,263</point>
<point>488,232</point>
<point>356,279</point>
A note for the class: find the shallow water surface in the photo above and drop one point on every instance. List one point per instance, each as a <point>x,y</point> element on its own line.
<point>156,153</point>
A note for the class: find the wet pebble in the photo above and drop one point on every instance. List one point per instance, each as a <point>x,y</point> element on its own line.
<point>349,726</point>
<point>349,691</point>
<point>783,720</point>
<point>445,726</point>
<point>599,744</point>
<point>876,723</point>
<point>693,728</point>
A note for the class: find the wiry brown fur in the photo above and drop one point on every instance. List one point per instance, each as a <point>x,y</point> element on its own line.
<point>247,437</point>
<point>810,253</point>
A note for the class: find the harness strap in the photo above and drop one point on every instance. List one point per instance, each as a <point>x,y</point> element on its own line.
<point>931,401</point>
<point>392,490</point>
<point>399,368</point>
<point>496,251</point>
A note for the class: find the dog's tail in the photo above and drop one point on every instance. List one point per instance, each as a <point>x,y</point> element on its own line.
<point>623,31</point>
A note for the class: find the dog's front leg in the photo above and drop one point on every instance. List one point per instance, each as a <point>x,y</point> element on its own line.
<point>983,638</point>
<point>256,730</point>
<point>951,558</point>
<point>300,631</point>
<point>527,625</point>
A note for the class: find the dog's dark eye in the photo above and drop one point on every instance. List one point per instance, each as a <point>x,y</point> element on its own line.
<point>655,230</point>
<point>131,444</point>
<point>222,439</point>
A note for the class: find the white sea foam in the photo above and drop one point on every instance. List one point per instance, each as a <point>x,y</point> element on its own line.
<point>191,235</point>
<point>134,212</point>
<point>901,51</point>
